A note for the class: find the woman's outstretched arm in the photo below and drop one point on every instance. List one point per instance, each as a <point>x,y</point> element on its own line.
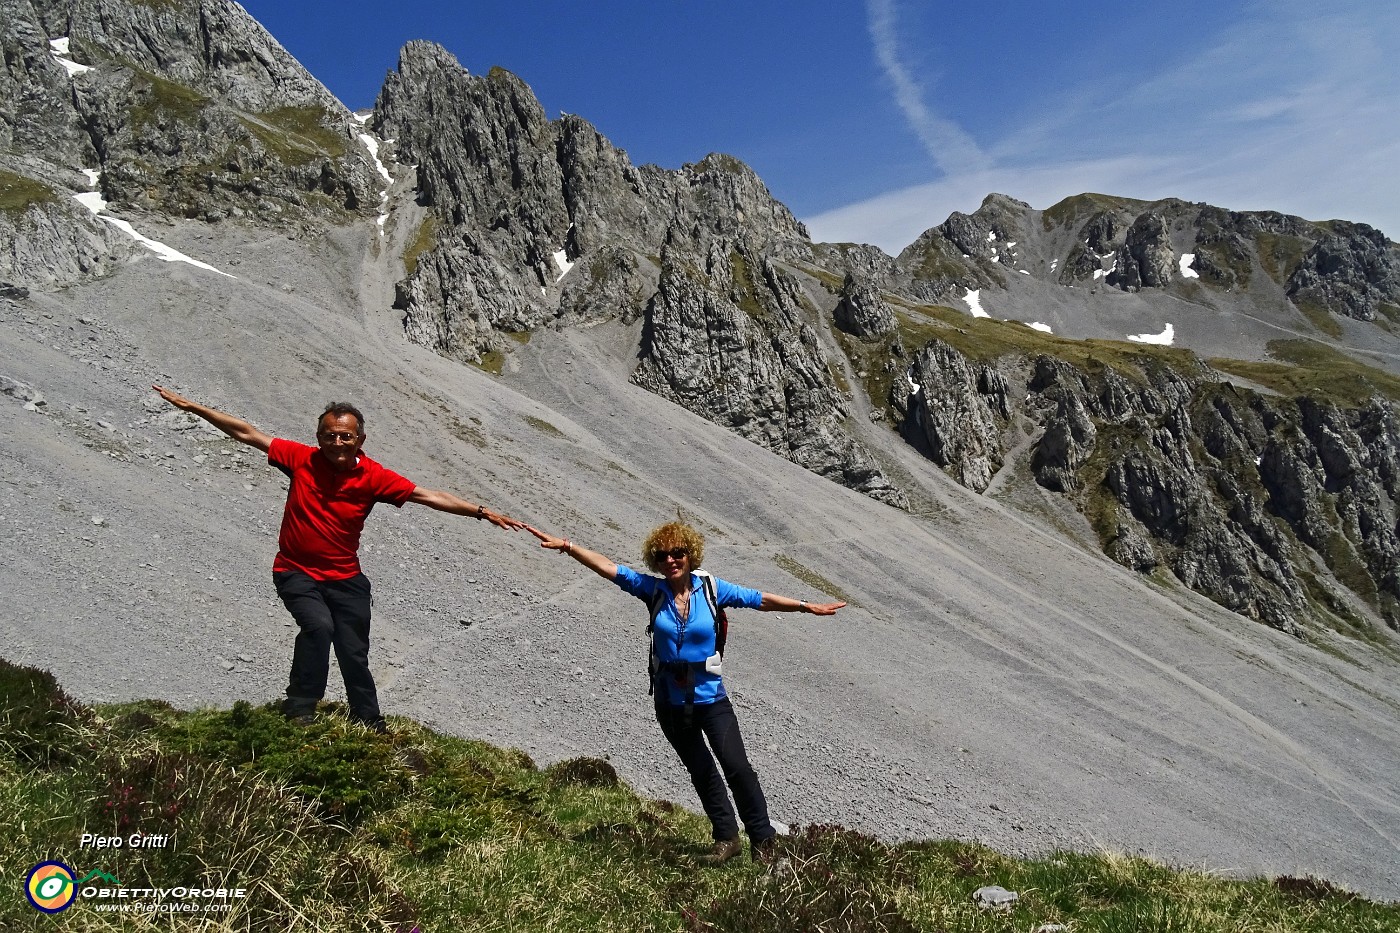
<point>772,603</point>
<point>594,561</point>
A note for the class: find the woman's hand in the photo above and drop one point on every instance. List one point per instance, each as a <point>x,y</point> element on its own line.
<point>773,603</point>
<point>591,559</point>
<point>563,545</point>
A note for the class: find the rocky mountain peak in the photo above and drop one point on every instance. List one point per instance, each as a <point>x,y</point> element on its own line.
<point>188,108</point>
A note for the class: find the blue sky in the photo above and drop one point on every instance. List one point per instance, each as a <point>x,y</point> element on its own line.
<point>874,119</point>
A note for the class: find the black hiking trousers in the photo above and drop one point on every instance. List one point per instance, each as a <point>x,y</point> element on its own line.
<point>329,613</point>
<point>687,734</point>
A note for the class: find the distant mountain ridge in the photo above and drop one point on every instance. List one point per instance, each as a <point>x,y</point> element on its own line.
<point>1284,509</point>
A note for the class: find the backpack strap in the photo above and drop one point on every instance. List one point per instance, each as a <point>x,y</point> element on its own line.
<point>654,607</point>
<point>707,582</point>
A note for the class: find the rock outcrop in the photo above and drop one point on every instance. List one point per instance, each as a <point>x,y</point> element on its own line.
<point>956,413</point>
<point>1352,270</point>
<point>185,108</point>
<point>861,311</point>
<point>725,337</point>
<point>1245,498</point>
<point>541,221</point>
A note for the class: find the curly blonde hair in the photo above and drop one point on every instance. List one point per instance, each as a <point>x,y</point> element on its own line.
<point>673,535</point>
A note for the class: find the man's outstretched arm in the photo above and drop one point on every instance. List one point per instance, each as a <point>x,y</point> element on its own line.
<point>236,428</point>
<point>447,502</point>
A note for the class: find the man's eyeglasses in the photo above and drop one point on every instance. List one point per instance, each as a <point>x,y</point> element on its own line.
<point>676,553</point>
<point>337,437</point>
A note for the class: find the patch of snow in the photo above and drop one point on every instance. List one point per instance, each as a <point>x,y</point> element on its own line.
<point>372,145</point>
<point>1053,264</point>
<point>914,387</point>
<point>1165,338</point>
<point>92,200</point>
<point>1185,266</point>
<point>1023,271</point>
<point>561,259</point>
<point>72,67</point>
<point>974,301</point>
<point>92,176</point>
<point>1043,328</point>
<point>1100,273</point>
<point>59,48</point>
<point>1010,242</point>
<point>996,257</point>
<point>361,117</point>
<point>991,236</point>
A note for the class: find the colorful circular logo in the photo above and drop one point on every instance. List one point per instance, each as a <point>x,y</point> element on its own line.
<point>50,887</point>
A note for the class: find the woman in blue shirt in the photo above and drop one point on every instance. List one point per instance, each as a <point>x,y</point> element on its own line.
<point>691,703</point>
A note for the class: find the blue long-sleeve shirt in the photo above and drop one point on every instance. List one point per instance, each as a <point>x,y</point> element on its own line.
<point>692,640</point>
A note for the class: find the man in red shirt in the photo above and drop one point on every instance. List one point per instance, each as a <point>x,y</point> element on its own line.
<point>317,569</point>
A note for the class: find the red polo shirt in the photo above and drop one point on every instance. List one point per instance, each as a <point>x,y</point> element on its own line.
<point>326,509</point>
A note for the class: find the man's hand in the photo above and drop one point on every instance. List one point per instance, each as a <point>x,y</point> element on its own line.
<point>456,505</point>
<point>502,521</point>
<point>179,401</point>
<point>236,428</point>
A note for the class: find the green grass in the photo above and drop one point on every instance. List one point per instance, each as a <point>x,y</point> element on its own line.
<point>941,261</point>
<point>1319,317</point>
<point>424,241</point>
<point>987,340</point>
<point>18,192</point>
<point>1226,254</point>
<point>165,99</point>
<point>744,288</point>
<point>1309,368</point>
<point>1280,254</point>
<point>721,163</point>
<point>296,135</point>
<point>544,427</point>
<point>492,361</point>
<point>331,827</point>
<point>1074,210</point>
<point>810,577</point>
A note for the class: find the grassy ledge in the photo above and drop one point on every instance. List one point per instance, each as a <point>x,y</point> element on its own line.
<point>1309,368</point>
<point>331,827</point>
<point>18,192</point>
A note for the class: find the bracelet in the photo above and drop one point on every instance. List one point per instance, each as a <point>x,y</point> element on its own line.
<point>568,547</point>
<point>802,605</point>
<point>480,510</point>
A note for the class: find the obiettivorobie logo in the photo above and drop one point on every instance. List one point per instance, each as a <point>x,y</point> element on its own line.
<point>51,886</point>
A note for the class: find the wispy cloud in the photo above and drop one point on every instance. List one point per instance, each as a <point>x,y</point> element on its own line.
<point>1296,108</point>
<point>951,149</point>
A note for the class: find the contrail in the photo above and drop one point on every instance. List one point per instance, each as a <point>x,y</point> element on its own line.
<point>951,149</point>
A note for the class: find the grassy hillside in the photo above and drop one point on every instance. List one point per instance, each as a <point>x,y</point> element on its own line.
<point>331,827</point>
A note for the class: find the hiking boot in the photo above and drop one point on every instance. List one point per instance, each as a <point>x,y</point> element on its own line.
<point>722,851</point>
<point>765,851</point>
<point>300,710</point>
<point>377,724</point>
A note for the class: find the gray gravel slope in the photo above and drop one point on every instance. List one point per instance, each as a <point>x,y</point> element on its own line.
<point>989,680</point>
